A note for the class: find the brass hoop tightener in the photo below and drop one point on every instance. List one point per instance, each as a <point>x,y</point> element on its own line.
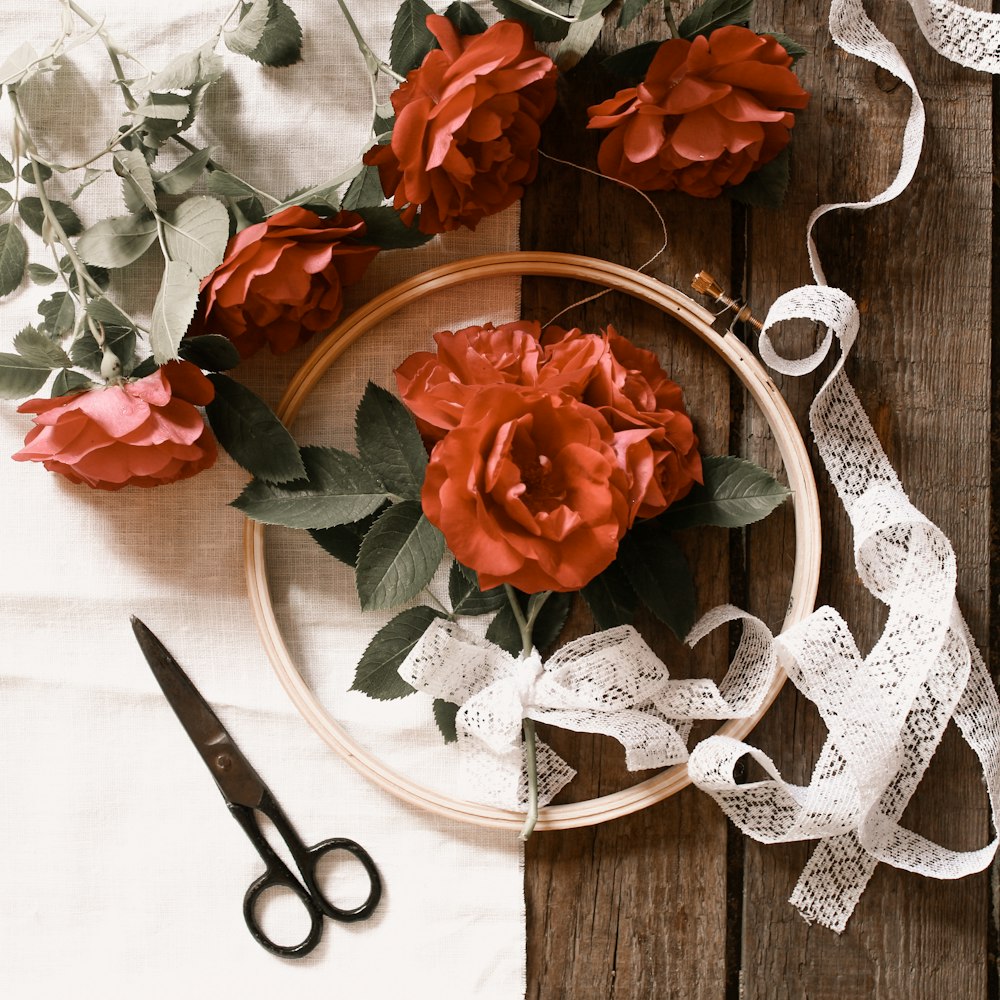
<point>705,284</point>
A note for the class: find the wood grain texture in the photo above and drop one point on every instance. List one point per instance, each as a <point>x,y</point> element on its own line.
<point>672,903</point>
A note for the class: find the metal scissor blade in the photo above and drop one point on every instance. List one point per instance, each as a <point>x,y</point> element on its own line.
<point>236,778</point>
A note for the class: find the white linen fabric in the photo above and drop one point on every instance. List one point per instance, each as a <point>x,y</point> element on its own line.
<point>121,873</point>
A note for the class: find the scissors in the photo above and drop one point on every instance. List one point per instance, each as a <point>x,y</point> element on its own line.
<point>246,794</point>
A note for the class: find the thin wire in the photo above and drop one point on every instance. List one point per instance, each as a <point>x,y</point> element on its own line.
<point>642,194</point>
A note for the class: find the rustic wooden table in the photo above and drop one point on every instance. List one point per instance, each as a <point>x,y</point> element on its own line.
<point>674,902</point>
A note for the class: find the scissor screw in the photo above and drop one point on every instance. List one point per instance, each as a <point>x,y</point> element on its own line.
<point>223,762</point>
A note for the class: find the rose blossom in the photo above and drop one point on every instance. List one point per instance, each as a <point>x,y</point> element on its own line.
<point>653,435</point>
<point>281,280</point>
<point>142,433</point>
<point>527,490</point>
<point>436,386</point>
<point>708,113</point>
<point>465,142</point>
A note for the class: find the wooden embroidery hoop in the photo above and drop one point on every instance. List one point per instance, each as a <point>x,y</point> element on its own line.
<point>614,276</point>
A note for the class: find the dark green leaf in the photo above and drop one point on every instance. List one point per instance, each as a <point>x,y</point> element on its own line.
<point>343,541</point>
<point>338,490</point>
<point>35,346</point>
<point>466,597</point>
<point>34,215</point>
<point>41,275</point>
<point>58,314</point>
<point>411,39</point>
<point>28,172</point>
<point>382,127</point>
<point>281,43</point>
<point>611,599</point>
<point>254,437</point>
<point>387,230</point>
<point>766,187</point>
<point>505,633</point>
<point>465,18</point>
<point>105,312</point>
<point>13,257</point>
<point>791,46</point>
<point>6,170</point>
<point>247,35</point>
<point>365,190</point>
<point>211,352</point>
<point>660,575</point>
<point>119,241</point>
<point>20,377</point>
<point>121,342</point>
<point>68,381</point>
<point>173,309</point>
<point>398,557</point>
<point>246,213</point>
<point>632,64</point>
<point>185,174</point>
<point>389,443</point>
<point>5,200</point>
<point>145,367</point>
<point>736,493</point>
<point>445,715</point>
<point>543,28</point>
<point>377,675</point>
<point>714,14</point>
<point>631,9</point>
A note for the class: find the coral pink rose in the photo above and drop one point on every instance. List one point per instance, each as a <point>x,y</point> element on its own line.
<point>282,279</point>
<point>527,490</point>
<point>653,435</point>
<point>708,113</point>
<point>465,142</point>
<point>142,433</point>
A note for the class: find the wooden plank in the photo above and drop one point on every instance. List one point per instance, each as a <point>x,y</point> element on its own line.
<point>920,269</point>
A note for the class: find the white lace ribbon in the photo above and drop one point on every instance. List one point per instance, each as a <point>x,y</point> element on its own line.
<point>885,712</point>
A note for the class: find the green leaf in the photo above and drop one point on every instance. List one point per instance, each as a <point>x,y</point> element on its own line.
<point>211,352</point>
<point>338,490</point>
<point>173,309</point>
<point>465,18</point>
<point>445,715</point>
<point>791,46</point>
<point>714,14</point>
<point>632,64</point>
<point>247,35</point>
<point>505,633</point>
<point>365,191</point>
<point>196,232</point>
<point>660,575</point>
<point>121,342</point>
<point>254,437</point>
<point>168,107</point>
<point>41,275</point>
<point>736,493</point>
<point>398,557</point>
<point>281,43</point>
<point>611,599</point>
<point>13,257</point>
<point>6,200</point>
<point>20,377</point>
<point>377,674</point>
<point>6,170</point>
<point>145,368</point>
<point>385,229</point>
<point>197,68</point>
<point>389,443</point>
<point>185,174</point>
<point>68,382</point>
<point>90,174</point>
<point>118,241</point>
<point>28,172</point>
<point>137,181</point>
<point>631,9</point>
<point>766,187</point>
<point>543,28</point>
<point>58,314</point>
<point>382,126</point>
<point>466,597</point>
<point>105,312</point>
<point>591,8</point>
<point>411,38</point>
<point>343,541</point>
<point>223,183</point>
<point>34,215</point>
<point>36,347</point>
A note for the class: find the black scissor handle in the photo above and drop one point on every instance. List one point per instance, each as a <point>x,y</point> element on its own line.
<point>315,854</point>
<point>272,878</point>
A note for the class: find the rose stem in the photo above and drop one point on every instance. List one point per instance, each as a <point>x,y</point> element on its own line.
<point>366,49</point>
<point>668,10</point>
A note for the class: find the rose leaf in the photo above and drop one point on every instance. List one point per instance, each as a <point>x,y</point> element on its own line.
<point>68,381</point>
<point>766,187</point>
<point>58,314</point>
<point>343,541</point>
<point>247,35</point>
<point>137,181</point>
<point>6,170</point>
<point>211,352</point>
<point>411,38</point>
<point>13,257</point>
<point>792,47</point>
<point>119,340</point>
<point>631,9</point>
<point>33,214</point>
<point>281,42</point>
<point>119,241</point>
<point>660,575</point>
<point>398,557</point>
<point>466,597</point>
<point>735,493</point>
<point>632,64</point>
<point>543,27</point>
<point>250,432</point>
<point>504,631</point>
<point>386,229</point>
<point>714,14</point>
<point>611,599</point>
<point>338,489</point>
<point>20,377</point>
<point>377,674</point>
<point>365,191</point>
<point>196,232</point>
<point>197,68</point>
<point>389,443</point>
<point>34,346</point>
<point>465,18</point>
<point>446,715</point>
<point>173,309</point>
<point>185,174</point>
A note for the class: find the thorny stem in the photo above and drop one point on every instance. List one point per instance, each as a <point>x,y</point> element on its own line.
<point>112,51</point>
<point>215,165</point>
<point>366,50</point>
<point>668,11</point>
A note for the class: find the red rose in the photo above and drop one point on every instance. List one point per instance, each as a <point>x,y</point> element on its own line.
<point>465,142</point>
<point>436,386</point>
<point>142,433</point>
<point>707,114</point>
<point>281,280</point>
<point>653,435</point>
<point>527,490</point>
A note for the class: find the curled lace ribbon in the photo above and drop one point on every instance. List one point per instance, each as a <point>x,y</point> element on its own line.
<point>886,713</point>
